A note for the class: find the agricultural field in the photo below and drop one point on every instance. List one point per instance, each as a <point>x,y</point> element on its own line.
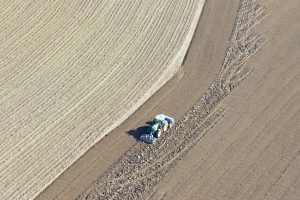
<point>252,153</point>
<point>71,71</point>
<point>240,140</point>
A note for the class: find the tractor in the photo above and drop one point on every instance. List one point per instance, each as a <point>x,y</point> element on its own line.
<point>157,126</point>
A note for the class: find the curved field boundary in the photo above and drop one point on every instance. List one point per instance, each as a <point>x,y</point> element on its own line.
<point>138,172</point>
<point>71,71</point>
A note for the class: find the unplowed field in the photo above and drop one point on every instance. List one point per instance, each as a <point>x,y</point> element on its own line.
<point>71,71</point>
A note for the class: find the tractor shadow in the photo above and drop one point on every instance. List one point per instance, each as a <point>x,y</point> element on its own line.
<point>149,123</point>
<point>136,133</point>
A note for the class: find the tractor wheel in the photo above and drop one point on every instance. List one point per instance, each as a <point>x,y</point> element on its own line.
<point>165,127</point>
<point>158,133</point>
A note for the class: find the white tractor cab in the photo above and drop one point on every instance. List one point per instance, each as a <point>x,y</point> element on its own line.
<point>158,125</point>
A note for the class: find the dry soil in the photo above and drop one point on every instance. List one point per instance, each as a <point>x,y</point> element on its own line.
<point>253,153</point>
<point>71,71</point>
<point>241,139</point>
<point>201,66</point>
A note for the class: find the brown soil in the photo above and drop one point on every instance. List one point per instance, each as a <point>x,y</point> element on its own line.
<point>243,147</point>
<point>253,153</point>
<point>136,174</point>
<point>176,97</point>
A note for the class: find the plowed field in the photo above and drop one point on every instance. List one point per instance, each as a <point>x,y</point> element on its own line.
<point>71,71</point>
<point>241,139</point>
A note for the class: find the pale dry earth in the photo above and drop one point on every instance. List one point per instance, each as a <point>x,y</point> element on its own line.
<point>71,71</point>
